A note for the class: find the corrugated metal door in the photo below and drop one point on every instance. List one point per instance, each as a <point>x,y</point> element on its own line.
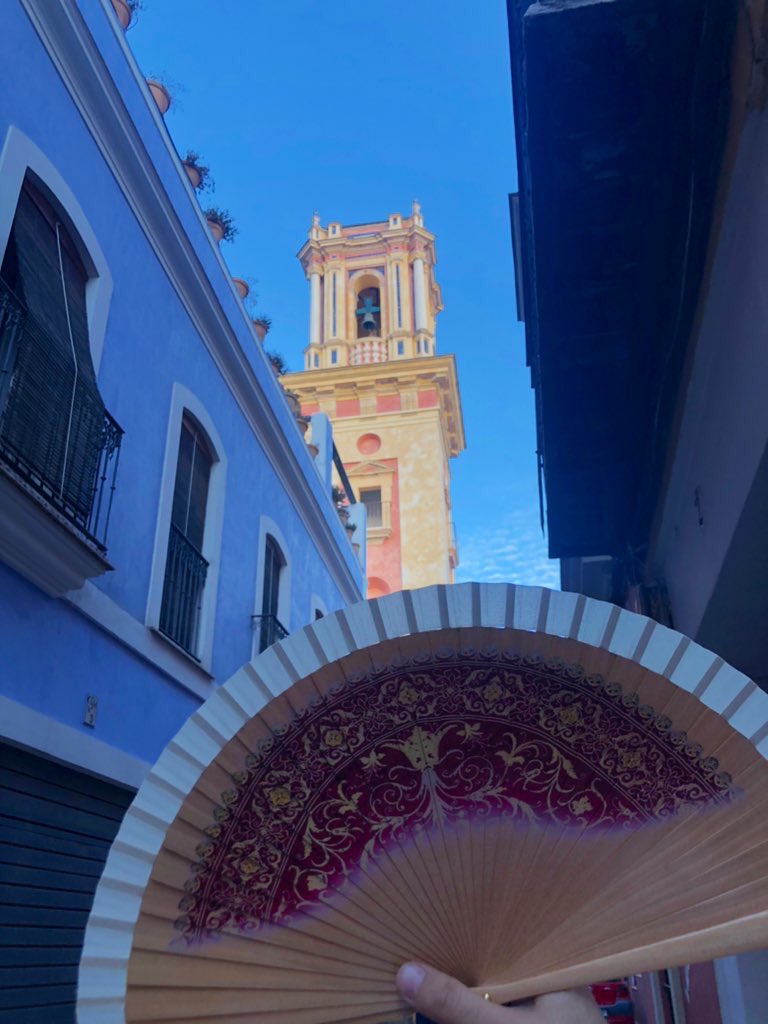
<point>56,826</point>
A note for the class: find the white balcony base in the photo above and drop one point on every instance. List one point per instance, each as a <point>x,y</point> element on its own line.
<point>41,544</point>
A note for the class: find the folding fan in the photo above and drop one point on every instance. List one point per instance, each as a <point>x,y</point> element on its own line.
<point>528,790</point>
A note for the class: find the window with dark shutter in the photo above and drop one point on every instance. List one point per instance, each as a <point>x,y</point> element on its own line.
<point>193,474</point>
<point>270,627</point>
<point>54,429</point>
<point>273,564</point>
<point>186,568</point>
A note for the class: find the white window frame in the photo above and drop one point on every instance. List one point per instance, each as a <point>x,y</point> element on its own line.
<point>184,401</point>
<point>269,528</point>
<point>19,156</point>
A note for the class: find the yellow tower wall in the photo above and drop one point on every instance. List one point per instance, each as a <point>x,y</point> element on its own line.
<point>415,441</point>
<point>394,403</point>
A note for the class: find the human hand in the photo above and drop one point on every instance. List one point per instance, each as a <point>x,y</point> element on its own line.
<point>446,1001</point>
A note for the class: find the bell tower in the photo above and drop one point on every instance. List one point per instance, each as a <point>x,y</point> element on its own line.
<point>372,367</point>
<point>373,295</point>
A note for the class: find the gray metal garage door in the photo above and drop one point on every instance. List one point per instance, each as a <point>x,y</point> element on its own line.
<point>56,826</point>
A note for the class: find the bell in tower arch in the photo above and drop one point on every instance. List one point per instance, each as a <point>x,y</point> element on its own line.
<point>369,321</point>
<point>368,313</point>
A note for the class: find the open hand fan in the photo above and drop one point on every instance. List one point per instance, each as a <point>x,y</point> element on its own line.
<point>526,789</point>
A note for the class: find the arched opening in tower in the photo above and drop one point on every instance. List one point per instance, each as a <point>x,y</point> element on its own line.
<point>368,313</point>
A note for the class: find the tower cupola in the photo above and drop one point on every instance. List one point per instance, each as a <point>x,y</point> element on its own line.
<point>373,294</point>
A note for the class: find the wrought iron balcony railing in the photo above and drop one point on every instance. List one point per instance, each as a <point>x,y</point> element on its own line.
<point>269,629</point>
<point>55,433</point>
<point>185,575</point>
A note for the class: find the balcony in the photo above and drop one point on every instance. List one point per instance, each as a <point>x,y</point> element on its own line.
<point>59,451</point>
<point>269,630</point>
<point>185,574</point>
<point>368,350</point>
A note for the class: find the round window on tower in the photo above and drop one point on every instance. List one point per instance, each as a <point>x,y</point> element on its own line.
<point>368,444</point>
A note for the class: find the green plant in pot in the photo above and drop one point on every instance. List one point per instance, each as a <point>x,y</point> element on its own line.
<point>279,365</point>
<point>339,499</point>
<point>126,11</point>
<point>293,402</point>
<point>221,224</point>
<point>261,325</point>
<point>160,87</point>
<point>199,173</point>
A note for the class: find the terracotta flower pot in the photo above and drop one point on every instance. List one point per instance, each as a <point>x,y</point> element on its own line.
<point>260,329</point>
<point>293,402</point>
<point>160,95</point>
<point>242,287</point>
<point>195,177</point>
<point>123,12</point>
<point>216,229</point>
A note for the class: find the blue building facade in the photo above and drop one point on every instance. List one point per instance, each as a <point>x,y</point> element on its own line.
<point>160,513</point>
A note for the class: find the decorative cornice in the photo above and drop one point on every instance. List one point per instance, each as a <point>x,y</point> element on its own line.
<point>369,468</point>
<point>65,36</point>
<point>402,376</point>
<point>407,238</point>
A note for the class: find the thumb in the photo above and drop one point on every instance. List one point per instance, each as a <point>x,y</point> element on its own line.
<point>445,1000</point>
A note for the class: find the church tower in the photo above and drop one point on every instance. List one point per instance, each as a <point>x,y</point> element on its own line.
<point>372,367</point>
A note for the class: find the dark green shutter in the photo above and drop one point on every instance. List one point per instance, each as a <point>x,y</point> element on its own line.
<point>52,418</point>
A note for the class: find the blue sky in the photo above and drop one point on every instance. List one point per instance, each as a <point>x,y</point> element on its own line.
<point>302,105</point>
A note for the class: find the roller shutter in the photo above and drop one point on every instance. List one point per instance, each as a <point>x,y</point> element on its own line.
<point>56,827</point>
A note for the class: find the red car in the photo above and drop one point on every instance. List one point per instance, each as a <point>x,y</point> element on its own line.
<point>614,1001</point>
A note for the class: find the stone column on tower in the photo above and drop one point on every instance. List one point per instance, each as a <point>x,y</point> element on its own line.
<point>420,294</point>
<point>329,331</point>
<point>391,327</point>
<point>315,333</point>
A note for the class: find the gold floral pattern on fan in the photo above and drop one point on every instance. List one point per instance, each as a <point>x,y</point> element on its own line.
<point>432,742</point>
